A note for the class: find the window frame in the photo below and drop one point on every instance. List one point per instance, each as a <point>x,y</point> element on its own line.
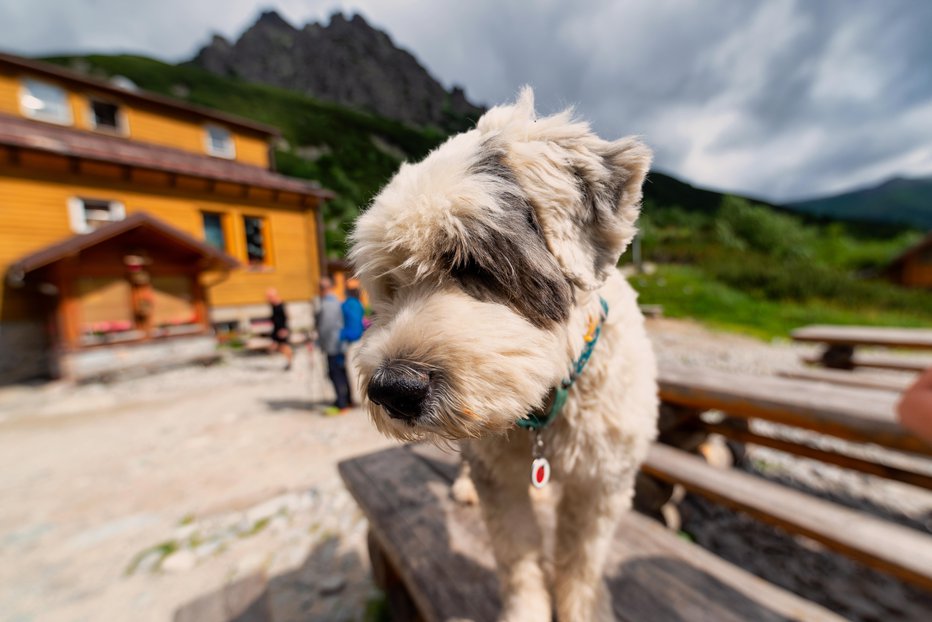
<point>267,263</point>
<point>224,229</point>
<point>122,126</point>
<point>227,154</point>
<point>31,113</point>
<point>77,212</point>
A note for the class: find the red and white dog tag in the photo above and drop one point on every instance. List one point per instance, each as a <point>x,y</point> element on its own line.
<point>540,472</point>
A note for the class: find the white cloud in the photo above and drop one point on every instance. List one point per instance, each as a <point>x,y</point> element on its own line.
<point>782,99</point>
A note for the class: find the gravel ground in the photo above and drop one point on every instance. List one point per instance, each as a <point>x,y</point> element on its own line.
<point>135,500</point>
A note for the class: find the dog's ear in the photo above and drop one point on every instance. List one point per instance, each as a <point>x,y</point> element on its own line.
<point>586,192</point>
<point>588,237</point>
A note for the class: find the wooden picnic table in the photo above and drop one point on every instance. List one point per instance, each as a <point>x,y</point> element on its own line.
<point>841,342</point>
<point>913,338</point>
<point>849,413</point>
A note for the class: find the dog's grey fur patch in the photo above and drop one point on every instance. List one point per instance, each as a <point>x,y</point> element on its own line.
<point>508,261</point>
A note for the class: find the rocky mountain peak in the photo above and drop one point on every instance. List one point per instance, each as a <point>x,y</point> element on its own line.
<point>346,61</point>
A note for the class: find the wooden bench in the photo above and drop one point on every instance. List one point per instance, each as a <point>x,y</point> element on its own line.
<point>905,553</point>
<point>841,342</point>
<point>432,558</point>
<point>865,380</point>
<point>853,414</point>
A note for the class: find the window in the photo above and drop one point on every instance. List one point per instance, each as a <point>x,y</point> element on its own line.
<point>86,215</point>
<point>256,242</point>
<point>220,142</point>
<point>107,116</point>
<point>45,102</point>
<point>214,231</point>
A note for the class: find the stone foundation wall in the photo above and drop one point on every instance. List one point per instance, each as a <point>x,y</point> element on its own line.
<point>116,359</point>
<point>24,352</point>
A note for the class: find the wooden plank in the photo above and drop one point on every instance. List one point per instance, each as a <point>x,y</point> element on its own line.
<point>831,457</point>
<point>442,552</point>
<point>905,553</point>
<point>879,361</point>
<point>861,415</point>
<point>919,338</point>
<point>851,378</point>
<point>429,540</point>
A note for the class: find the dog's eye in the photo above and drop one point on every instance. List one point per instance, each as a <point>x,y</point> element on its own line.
<point>470,270</point>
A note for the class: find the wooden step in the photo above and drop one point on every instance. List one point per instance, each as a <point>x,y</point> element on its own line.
<point>439,550</point>
<point>903,552</point>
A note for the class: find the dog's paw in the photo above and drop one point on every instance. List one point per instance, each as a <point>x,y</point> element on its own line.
<point>464,492</point>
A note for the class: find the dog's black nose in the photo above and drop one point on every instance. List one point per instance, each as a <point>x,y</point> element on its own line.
<point>401,387</point>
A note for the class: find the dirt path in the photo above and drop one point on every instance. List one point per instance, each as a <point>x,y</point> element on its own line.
<point>88,486</point>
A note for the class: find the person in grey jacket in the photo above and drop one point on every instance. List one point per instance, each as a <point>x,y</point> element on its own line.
<point>329,321</point>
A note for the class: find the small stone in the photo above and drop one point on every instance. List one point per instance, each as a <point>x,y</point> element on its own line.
<point>332,585</point>
<point>207,549</point>
<point>148,563</point>
<point>179,562</point>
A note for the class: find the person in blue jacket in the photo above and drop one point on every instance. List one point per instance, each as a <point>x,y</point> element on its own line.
<point>352,314</point>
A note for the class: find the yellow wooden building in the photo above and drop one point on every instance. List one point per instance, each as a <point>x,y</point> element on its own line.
<point>217,226</point>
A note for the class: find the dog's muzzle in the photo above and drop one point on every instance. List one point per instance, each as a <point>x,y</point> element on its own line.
<point>401,388</point>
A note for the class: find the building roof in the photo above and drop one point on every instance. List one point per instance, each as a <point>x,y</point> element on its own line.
<point>54,71</point>
<point>135,224</point>
<point>39,136</point>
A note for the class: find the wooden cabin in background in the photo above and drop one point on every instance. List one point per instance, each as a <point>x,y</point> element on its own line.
<point>131,222</point>
<point>913,268</point>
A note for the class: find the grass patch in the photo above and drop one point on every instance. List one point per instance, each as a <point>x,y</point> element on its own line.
<point>257,526</point>
<point>163,550</point>
<point>690,292</point>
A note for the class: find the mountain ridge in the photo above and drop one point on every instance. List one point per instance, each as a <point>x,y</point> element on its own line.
<point>898,200</point>
<point>347,61</point>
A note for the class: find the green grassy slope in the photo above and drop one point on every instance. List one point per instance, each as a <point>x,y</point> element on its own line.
<point>747,266</point>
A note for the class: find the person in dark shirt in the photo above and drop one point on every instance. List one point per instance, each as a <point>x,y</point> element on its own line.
<point>280,332</point>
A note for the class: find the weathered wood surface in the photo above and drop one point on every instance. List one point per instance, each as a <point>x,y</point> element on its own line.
<point>903,552</point>
<point>918,338</point>
<point>913,477</point>
<point>878,361</point>
<point>441,551</point>
<point>864,380</point>
<point>861,415</point>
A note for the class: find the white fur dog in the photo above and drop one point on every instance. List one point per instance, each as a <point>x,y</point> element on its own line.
<point>487,265</point>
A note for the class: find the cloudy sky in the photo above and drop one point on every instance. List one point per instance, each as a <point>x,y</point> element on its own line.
<point>779,99</point>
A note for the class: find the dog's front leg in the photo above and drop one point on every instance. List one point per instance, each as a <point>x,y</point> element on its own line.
<point>516,538</point>
<point>587,518</point>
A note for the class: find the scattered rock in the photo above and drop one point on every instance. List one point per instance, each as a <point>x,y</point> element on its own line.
<point>331,585</point>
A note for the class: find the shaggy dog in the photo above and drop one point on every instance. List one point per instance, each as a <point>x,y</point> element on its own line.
<point>491,270</point>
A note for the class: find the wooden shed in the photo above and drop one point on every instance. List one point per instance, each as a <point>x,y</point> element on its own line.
<point>113,297</point>
<point>913,268</point>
